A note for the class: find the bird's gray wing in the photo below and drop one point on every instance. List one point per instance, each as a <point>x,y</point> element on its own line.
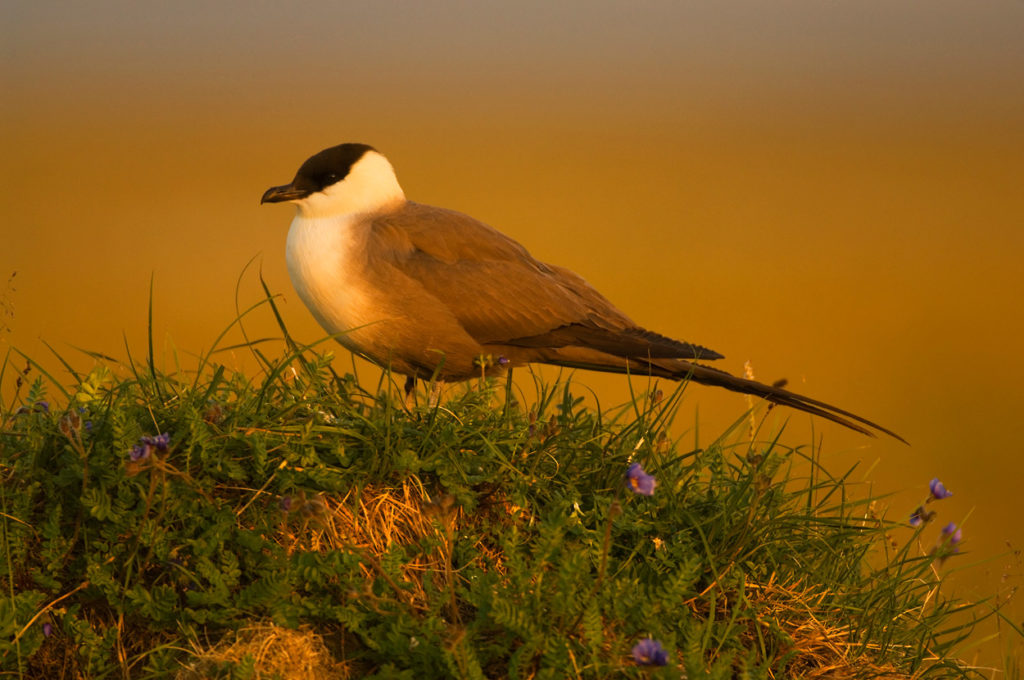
<point>501,295</point>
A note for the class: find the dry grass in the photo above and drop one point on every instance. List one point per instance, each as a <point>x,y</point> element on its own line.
<point>373,520</point>
<point>820,650</point>
<point>823,651</point>
<point>274,652</point>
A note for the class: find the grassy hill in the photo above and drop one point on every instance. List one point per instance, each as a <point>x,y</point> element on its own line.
<point>297,524</point>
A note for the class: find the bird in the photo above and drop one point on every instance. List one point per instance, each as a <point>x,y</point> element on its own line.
<point>434,294</point>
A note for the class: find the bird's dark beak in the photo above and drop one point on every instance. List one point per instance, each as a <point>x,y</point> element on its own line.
<point>288,192</point>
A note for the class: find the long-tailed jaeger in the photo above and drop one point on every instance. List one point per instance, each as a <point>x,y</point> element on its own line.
<point>434,293</point>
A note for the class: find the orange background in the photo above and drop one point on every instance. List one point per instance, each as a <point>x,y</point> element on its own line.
<point>831,190</point>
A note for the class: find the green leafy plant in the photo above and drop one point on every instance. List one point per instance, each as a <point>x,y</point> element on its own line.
<point>148,517</point>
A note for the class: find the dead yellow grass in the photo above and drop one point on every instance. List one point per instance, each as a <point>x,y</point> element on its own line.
<point>371,521</point>
<point>275,652</point>
<point>820,649</point>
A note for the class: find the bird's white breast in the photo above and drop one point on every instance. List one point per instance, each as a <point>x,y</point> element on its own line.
<point>323,261</point>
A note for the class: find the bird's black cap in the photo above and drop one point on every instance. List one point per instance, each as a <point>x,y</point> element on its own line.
<point>320,171</point>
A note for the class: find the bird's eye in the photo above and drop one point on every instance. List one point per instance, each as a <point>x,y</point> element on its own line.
<point>330,178</point>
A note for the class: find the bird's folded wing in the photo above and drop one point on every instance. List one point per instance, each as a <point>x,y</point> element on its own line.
<point>503,296</point>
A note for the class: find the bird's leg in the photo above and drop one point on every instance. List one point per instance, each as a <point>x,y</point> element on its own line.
<point>410,392</point>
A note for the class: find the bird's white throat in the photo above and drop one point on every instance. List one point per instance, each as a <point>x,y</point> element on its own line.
<point>370,187</point>
<point>322,255</point>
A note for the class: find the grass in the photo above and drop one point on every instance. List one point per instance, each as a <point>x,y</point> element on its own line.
<point>299,524</point>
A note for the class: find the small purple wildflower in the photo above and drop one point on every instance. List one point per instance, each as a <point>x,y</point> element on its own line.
<point>43,406</point>
<point>649,652</point>
<point>502,361</point>
<point>161,441</point>
<point>639,481</point>
<point>286,503</point>
<point>951,533</point>
<point>88,425</point>
<point>139,452</point>
<point>158,442</point>
<point>47,629</point>
<point>938,490</point>
<point>146,445</point>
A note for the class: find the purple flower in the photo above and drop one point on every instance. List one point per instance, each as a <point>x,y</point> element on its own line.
<point>639,481</point>
<point>146,445</point>
<point>88,425</point>
<point>649,652</point>
<point>43,406</point>
<point>502,361</point>
<point>286,503</point>
<point>47,629</point>
<point>158,442</point>
<point>938,490</point>
<point>139,452</point>
<point>953,535</point>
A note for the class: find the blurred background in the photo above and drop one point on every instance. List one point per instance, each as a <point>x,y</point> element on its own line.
<point>832,191</point>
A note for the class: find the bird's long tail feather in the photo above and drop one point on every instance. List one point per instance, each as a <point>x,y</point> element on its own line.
<point>677,369</point>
